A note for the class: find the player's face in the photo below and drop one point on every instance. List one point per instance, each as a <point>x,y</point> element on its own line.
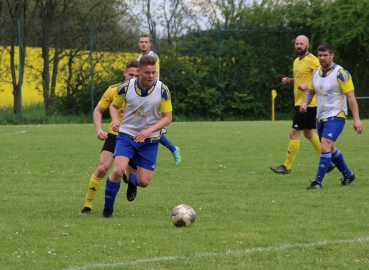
<point>131,73</point>
<point>144,43</point>
<point>301,46</point>
<point>325,59</point>
<point>147,76</point>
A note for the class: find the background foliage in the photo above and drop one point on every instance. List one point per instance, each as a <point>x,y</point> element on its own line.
<point>221,67</point>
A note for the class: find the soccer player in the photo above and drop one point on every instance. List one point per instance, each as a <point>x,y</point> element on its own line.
<point>333,87</point>
<point>303,66</point>
<point>106,155</point>
<point>148,109</point>
<point>144,43</point>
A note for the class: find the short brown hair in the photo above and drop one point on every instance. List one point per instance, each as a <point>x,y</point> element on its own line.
<point>325,47</point>
<point>146,60</point>
<point>132,64</point>
<point>144,35</point>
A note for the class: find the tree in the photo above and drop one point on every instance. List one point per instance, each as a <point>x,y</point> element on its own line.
<point>15,10</point>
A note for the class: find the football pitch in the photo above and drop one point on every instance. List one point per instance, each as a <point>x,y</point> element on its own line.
<point>247,216</point>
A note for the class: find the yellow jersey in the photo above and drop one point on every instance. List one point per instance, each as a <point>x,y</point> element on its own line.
<point>302,73</point>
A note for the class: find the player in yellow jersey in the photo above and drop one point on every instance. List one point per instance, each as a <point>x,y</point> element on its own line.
<point>333,87</point>
<point>303,67</point>
<point>144,42</point>
<point>106,155</point>
<point>148,109</point>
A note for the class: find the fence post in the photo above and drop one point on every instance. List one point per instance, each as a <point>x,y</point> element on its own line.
<point>91,71</point>
<point>220,89</point>
<point>274,95</point>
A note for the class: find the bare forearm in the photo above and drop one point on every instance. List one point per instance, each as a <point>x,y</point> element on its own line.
<point>354,108</point>
<point>308,97</point>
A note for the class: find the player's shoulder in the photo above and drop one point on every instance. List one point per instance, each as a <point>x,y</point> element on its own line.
<point>343,74</point>
<point>153,54</point>
<point>311,56</point>
<point>165,91</point>
<point>121,88</point>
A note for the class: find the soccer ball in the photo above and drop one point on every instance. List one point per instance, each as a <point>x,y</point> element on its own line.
<point>183,215</point>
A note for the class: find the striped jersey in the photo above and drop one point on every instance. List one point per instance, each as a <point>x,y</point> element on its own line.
<point>143,107</point>
<point>330,87</point>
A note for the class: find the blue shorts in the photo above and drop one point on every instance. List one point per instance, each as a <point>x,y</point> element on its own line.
<point>331,128</point>
<point>143,154</point>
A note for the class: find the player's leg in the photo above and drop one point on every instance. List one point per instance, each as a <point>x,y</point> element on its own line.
<point>176,152</point>
<point>131,168</point>
<point>293,144</point>
<point>123,152</point>
<point>309,133</point>
<point>328,131</point>
<point>145,158</point>
<point>105,162</point>
<point>337,157</point>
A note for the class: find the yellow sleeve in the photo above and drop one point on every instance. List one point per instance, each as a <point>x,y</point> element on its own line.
<point>120,98</point>
<point>345,81</point>
<point>108,96</point>
<point>166,103</point>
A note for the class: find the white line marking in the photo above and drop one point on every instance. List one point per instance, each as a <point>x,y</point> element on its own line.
<point>212,254</point>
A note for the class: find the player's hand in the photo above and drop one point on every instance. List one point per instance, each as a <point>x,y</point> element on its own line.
<point>142,135</point>
<point>303,86</point>
<point>358,126</point>
<point>285,80</point>
<point>303,108</point>
<point>102,135</point>
<point>115,125</point>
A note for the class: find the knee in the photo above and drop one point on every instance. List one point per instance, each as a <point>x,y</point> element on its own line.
<point>309,133</point>
<point>118,172</point>
<point>101,171</point>
<point>143,181</point>
<point>294,134</point>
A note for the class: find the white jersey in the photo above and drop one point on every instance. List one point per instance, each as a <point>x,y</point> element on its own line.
<point>330,98</point>
<point>141,112</point>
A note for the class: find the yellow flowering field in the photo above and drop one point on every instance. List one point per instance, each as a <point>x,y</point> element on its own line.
<point>31,87</point>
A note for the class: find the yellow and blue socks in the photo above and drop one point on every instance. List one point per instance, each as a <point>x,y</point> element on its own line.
<point>93,187</point>
<point>293,148</point>
<point>324,162</point>
<point>164,141</point>
<point>111,191</point>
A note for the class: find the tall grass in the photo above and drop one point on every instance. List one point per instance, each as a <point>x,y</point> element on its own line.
<point>247,216</point>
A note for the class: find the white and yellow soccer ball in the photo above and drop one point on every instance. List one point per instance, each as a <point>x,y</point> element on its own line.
<point>183,215</point>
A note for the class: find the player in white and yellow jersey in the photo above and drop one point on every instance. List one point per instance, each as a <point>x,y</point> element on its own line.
<point>106,155</point>
<point>148,109</point>
<point>303,67</point>
<point>144,42</point>
<point>333,87</point>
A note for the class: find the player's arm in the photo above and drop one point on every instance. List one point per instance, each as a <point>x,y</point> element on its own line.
<point>355,111</point>
<point>114,112</point>
<point>286,80</point>
<point>308,97</point>
<point>162,123</point>
<point>118,101</point>
<point>97,118</point>
<point>347,86</point>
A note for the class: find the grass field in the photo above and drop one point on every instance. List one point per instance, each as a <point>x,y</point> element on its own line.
<point>247,216</point>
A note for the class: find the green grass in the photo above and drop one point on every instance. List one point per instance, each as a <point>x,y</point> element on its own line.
<point>247,216</point>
